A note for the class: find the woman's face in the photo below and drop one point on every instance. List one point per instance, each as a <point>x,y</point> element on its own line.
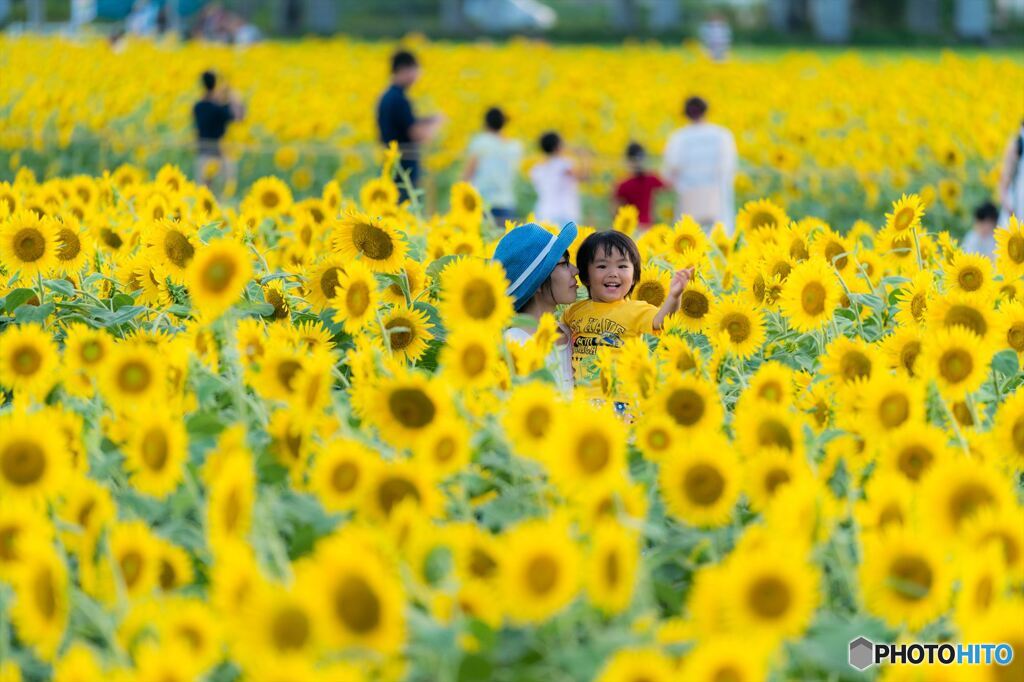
<point>563,282</point>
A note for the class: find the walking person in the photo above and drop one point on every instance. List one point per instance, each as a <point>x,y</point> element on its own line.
<point>639,188</point>
<point>556,180</point>
<point>700,163</point>
<point>396,121</point>
<point>1011,180</point>
<point>218,107</point>
<point>492,166</point>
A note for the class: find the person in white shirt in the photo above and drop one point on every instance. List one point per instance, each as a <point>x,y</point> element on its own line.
<point>1011,179</point>
<point>557,183</point>
<point>492,166</point>
<point>981,239</point>
<point>700,163</point>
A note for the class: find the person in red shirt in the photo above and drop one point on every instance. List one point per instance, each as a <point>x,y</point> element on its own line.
<point>639,188</point>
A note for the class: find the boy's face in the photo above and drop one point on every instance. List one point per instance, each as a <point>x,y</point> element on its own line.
<point>610,275</point>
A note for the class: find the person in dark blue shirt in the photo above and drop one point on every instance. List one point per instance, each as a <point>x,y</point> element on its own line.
<point>396,120</point>
<point>212,114</point>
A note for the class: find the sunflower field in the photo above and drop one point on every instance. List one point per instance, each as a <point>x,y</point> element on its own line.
<point>837,135</point>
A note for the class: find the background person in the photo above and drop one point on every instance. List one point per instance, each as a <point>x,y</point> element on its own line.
<point>212,114</point>
<point>1011,180</point>
<point>639,188</point>
<point>981,238</point>
<point>397,122</point>
<point>556,180</point>
<point>700,163</point>
<point>492,165</point>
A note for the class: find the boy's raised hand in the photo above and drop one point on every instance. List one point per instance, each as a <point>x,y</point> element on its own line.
<point>679,281</point>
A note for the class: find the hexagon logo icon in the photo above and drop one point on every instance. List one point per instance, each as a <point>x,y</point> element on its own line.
<point>862,653</point>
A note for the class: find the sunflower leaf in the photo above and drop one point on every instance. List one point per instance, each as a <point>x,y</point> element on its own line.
<point>16,298</point>
<point>61,286</point>
<point>1006,363</point>
<point>34,313</point>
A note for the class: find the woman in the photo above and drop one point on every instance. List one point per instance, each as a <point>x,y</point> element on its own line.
<point>541,277</point>
<point>1011,180</point>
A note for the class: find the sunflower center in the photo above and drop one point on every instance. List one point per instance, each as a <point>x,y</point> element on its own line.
<point>769,597</point>
<point>693,304</point>
<point>593,452</point>
<point>737,326</point>
<point>983,592</point>
<point>329,282</point>
<point>970,279</point>
<point>913,460</point>
<point>474,361</point>
<point>894,410</point>
<point>8,536</point>
<point>658,439</point>
<point>726,673</point>
<point>908,355</point>
<point>762,219</point>
<point>703,484</point>
<point>955,365</point>
<point>1015,337</point>
<point>29,244</point>
<point>357,605</point>
<point>774,433</point>
<point>918,305</point>
<point>812,298</point>
<point>541,574</point>
<point>968,500</point>
<point>481,564</point>
<point>357,298</point>
<point>903,218</point>
<point>44,593</point>
<point>168,576</point>
<point>685,362</point>
<point>444,449</point>
<point>910,577</point>
<point>218,274</point>
<point>372,241</point>
<point>286,371</point>
<point>1018,435</point>
<point>269,199</point>
<point>771,391</point>
<point>774,478</point>
<point>400,338</point>
<point>395,489</point>
<point>131,567</point>
<point>70,245</point>
<point>26,360</point>
<point>22,462</point>
<point>966,316</point>
<point>411,407</point>
<point>855,365</point>
<point>155,449</point>
<point>685,406</point>
<point>612,570</point>
<point>1015,248</point>
<point>290,629</point>
<point>232,510</point>
<point>91,352</point>
<point>177,248</point>
<point>275,299</point>
<point>684,243</point>
<point>469,202</point>
<point>478,299</point>
<point>652,292</point>
<point>344,477</point>
<point>538,421</point>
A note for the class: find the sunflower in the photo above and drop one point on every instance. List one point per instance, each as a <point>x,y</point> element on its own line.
<point>530,416</point>
<point>1002,529</point>
<point>591,448</point>
<point>446,447</point>
<point>653,286</point>
<point>156,453</point>
<point>268,196</point>
<point>834,249</point>
<point>375,241</point>
<point>676,355</point>
<point>355,299</point>
<point>230,502</point>
<point>377,194</point>
<point>1000,623</point>
<point>1008,430</point>
<point>770,594</point>
<point>469,358</point>
<point>1010,327</point>
<point>969,273</point>
<point>983,582</point>
<point>172,245</point>
<point>174,567</point>
<point>768,473</point>
<point>33,463</point>
<point>906,214</point>
<point>914,449</point>
<point>415,279</point>
<point>902,348</point>
<point>282,622</point>
<point>638,665</point>
<point>218,275</point>
<point>956,489</point>
<point>701,484</point>
<point>540,570</point>
<point>765,425</point>
<point>274,294</point>
<point>133,374</point>
<point>889,402</point>
<point>407,405</point>
<point>21,524</point>
<point>473,292</point>
<point>695,306</point>
<point>810,295</point>
<point>320,285</point>
<point>466,204</point>
<point>340,472</point>
<point>657,436</point>
<point>85,351</point>
<point>850,360</point>
<point>905,578</point>
<point>727,657</point>
<point>41,609</point>
<point>956,360</point>
<point>898,250</point>
<point>737,327</point>
<point>361,601</point>
<point>75,246</point>
<point>759,220</point>
<point>406,332</point>
<point>1010,249</point>
<point>134,551</point>
<point>611,567</point>
<point>913,299</point>
<point>772,383</point>
<point>692,404</point>
<point>29,244</point>
<point>28,360</point>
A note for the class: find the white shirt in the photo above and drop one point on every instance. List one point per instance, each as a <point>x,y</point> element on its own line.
<point>559,360</point>
<point>699,156</point>
<point>558,191</point>
<point>497,164</point>
<point>975,242</point>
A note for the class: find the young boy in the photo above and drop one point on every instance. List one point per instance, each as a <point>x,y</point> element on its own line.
<point>609,266</point>
<point>557,183</point>
<point>981,238</point>
<point>639,188</point>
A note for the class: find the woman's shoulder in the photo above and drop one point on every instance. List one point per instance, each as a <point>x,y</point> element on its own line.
<point>517,335</point>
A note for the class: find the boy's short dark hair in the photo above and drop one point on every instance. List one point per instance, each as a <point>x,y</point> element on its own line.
<point>635,152</point>
<point>604,243</point>
<point>695,107</point>
<point>986,212</point>
<point>550,142</point>
<point>495,119</point>
<point>403,59</point>
<point>209,80</point>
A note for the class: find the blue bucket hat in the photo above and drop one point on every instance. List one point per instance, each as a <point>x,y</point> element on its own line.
<point>529,254</point>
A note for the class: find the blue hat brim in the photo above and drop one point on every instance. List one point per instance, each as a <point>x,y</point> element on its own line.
<point>563,241</point>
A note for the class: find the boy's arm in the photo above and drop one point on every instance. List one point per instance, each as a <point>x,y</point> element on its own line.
<point>679,281</point>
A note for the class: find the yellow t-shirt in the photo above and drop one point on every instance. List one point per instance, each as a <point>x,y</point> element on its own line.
<point>596,324</point>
